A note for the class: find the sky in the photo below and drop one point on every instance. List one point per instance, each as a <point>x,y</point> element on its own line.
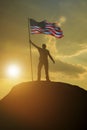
<point>69,52</point>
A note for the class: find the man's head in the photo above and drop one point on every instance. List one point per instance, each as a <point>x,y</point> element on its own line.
<point>44,46</point>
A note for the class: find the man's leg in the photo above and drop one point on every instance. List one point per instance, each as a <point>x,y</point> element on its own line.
<point>46,71</point>
<point>39,71</point>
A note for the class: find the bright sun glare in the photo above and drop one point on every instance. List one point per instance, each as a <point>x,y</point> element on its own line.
<point>13,71</point>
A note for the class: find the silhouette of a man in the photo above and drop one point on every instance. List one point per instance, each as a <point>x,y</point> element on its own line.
<point>43,60</point>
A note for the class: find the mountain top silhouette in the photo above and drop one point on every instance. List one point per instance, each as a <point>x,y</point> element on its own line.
<point>44,106</point>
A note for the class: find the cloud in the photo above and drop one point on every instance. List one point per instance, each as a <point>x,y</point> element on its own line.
<point>62,20</point>
<point>78,57</point>
<point>71,49</point>
<point>71,70</point>
<point>82,49</point>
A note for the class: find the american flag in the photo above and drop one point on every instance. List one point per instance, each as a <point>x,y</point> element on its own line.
<point>44,27</point>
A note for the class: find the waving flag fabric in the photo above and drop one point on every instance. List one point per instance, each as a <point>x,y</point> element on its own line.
<point>45,28</point>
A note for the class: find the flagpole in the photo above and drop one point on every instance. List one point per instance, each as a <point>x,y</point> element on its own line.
<point>30,50</point>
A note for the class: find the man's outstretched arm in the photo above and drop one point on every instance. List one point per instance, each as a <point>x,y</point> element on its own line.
<point>34,44</point>
<point>51,58</point>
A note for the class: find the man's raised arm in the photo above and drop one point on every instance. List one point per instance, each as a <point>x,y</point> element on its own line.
<point>34,44</point>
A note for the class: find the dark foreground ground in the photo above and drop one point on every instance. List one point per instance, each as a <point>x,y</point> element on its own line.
<point>44,106</point>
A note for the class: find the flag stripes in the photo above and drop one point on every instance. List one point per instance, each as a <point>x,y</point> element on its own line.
<point>44,27</point>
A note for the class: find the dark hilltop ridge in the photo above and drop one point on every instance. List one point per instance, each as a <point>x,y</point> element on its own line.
<point>44,106</point>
